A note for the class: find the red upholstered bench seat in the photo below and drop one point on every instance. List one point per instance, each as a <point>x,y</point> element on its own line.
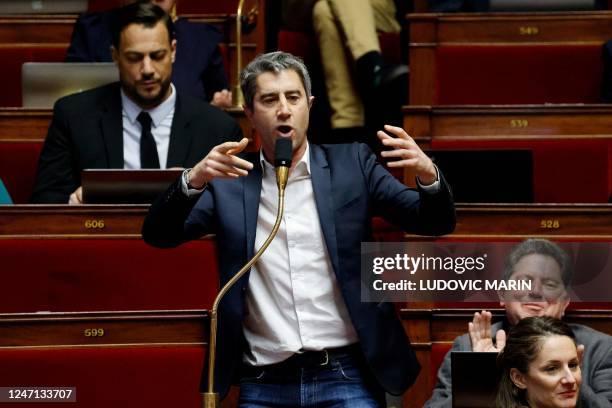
<point>18,162</point>
<point>518,74</point>
<point>70,275</point>
<point>13,56</point>
<point>153,377</point>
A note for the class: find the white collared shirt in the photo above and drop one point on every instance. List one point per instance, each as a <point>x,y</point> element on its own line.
<point>161,126</point>
<point>293,299</point>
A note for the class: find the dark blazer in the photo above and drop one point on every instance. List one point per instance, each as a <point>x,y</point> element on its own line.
<point>198,68</point>
<point>596,388</point>
<point>87,132</point>
<point>349,188</point>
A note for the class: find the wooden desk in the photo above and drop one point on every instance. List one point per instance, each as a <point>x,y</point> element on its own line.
<point>517,221</point>
<point>57,28</point>
<point>27,124</point>
<point>474,221</point>
<point>63,221</point>
<point>92,258</point>
<point>421,6</point>
<point>24,124</point>
<point>186,327</point>
<point>430,124</point>
<point>503,222</point>
<point>427,326</point>
<point>554,135</point>
<point>510,27</point>
<point>39,28</point>
<point>111,359</point>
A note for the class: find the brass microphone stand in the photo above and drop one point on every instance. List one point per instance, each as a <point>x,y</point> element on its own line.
<point>237,96</point>
<point>210,397</point>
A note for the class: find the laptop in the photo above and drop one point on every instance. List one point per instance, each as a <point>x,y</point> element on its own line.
<point>43,83</point>
<point>474,379</point>
<point>507,175</point>
<point>43,6</point>
<point>119,186</point>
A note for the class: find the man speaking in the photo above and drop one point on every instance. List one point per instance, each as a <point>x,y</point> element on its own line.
<point>294,331</point>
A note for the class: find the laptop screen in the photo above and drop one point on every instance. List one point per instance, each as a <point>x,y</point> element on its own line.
<point>508,177</point>
<point>43,83</point>
<point>118,186</point>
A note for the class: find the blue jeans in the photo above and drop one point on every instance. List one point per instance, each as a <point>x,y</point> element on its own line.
<point>344,382</point>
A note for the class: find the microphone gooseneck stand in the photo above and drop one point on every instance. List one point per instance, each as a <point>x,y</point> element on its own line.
<point>283,163</point>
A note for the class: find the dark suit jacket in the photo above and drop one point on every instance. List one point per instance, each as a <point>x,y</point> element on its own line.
<point>596,388</point>
<point>198,69</point>
<point>87,132</point>
<point>349,187</point>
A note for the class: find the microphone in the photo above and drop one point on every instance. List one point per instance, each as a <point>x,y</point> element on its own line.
<point>282,161</point>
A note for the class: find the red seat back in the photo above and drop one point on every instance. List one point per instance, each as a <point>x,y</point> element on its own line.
<point>297,43</point>
<point>71,275</point>
<point>12,57</point>
<point>518,74</point>
<point>155,377</point>
<point>18,162</point>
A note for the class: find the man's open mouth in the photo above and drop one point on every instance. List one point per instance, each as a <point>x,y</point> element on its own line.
<point>284,130</point>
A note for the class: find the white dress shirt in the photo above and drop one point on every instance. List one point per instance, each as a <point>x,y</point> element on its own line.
<point>293,299</point>
<point>161,126</point>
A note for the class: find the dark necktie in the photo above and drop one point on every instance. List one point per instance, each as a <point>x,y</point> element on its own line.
<point>149,159</point>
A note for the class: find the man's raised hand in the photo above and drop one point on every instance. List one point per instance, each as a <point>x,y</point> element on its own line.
<point>481,336</point>
<point>220,162</point>
<point>407,153</point>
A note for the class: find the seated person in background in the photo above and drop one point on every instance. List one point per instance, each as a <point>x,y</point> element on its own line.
<point>550,269</point>
<point>362,89</point>
<point>140,122</point>
<point>540,365</point>
<point>5,198</point>
<point>198,69</point>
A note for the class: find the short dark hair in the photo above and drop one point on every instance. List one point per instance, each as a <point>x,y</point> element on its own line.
<point>523,345</point>
<point>540,247</point>
<point>275,62</point>
<point>141,12</point>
